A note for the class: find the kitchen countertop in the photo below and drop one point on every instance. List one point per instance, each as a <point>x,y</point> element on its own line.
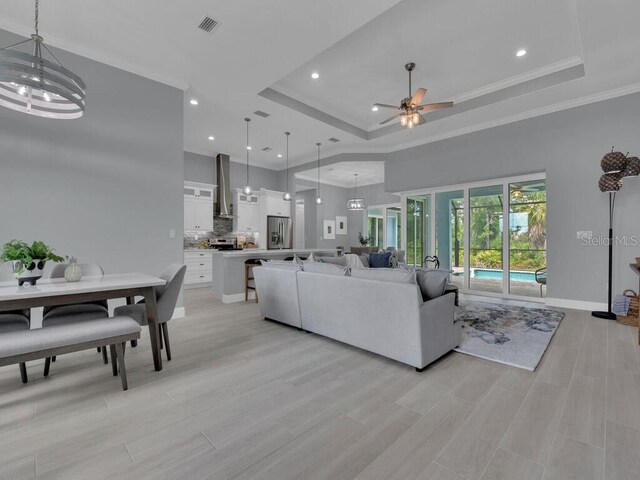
<point>264,252</point>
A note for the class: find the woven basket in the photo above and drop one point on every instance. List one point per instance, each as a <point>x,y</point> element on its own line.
<point>634,308</point>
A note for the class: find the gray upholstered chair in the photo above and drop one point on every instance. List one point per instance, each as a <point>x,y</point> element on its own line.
<point>167,296</point>
<point>14,319</point>
<point>78,312</point>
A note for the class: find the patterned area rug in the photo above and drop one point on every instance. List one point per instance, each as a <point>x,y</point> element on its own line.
<point>509,334</point>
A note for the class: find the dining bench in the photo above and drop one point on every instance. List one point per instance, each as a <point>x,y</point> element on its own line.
<point>25,345</point>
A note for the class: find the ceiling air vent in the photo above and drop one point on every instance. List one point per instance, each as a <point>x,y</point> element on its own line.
<point>262,114</point>
<point>208,24</point>
<point>267,149</point>
<point>334,139</point>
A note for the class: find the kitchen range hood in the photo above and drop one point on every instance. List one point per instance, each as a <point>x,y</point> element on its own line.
<point>223,203</point>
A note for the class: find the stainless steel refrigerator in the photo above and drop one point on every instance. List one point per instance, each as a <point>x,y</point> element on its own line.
<point>279,232</point>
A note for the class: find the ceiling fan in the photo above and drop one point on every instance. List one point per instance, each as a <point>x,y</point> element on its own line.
<point>410,114</point>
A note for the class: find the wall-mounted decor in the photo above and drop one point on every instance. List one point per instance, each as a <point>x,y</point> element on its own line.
<point>341,225</point>
<point>329,230</point>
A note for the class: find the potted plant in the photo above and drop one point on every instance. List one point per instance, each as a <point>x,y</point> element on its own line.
<point>364,241</point>
<point>28,261</point>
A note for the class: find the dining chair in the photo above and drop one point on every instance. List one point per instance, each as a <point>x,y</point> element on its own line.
<point>77,312</point>
<point>14,320</point>
<point>166,297</point>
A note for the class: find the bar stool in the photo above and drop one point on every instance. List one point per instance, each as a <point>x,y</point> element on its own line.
<point>249,282</point>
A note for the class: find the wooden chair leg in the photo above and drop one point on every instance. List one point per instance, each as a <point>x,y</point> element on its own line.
<point>123,371</point>
<point>47,365</point>
<point>99,349</point>
<point>53,359</point>
<point>23,372</point>
<point>165,334</point>
<point>134,343</point>
<point>105,359</point>
<point>160,336</point>
<point>114,365</point>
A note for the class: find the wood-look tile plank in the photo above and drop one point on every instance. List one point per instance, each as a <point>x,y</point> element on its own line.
<point>574,459</point>
<point>622,461</point>
<point>507,465</point>
<point>584,410</point>
<point>19,469</point>
<point>532,431</point>
<point>623,397</point>
<point>558,365</point>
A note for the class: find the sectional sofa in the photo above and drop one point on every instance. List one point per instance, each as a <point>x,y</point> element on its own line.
<point>382,312</point>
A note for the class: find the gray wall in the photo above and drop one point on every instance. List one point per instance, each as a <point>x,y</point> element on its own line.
<point>202,168</point>
<point>106,188</point>
<point>567,145</point>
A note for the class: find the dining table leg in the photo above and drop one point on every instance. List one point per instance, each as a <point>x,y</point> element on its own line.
<point>152,319</point>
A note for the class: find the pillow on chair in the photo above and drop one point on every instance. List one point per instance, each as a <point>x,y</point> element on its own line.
<point>432,282</point>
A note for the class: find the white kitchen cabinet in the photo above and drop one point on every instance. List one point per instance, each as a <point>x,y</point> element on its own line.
<point>277,206</point>
<point>199,267</point>
<point>247,213</point>
<point>198,206</point>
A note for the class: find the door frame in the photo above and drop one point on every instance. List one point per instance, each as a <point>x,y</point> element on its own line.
<point>385,206</point>
<point>465,187</point>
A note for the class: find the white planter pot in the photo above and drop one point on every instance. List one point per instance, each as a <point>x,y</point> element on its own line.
<point>30,274</point>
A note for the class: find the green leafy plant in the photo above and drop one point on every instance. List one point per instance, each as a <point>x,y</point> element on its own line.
<point>364,241</point>
<point>25,254</point>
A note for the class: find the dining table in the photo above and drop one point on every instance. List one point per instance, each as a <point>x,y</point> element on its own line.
<point>57,291</point>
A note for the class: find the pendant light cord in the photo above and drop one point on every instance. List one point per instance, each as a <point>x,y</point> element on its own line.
<point>287,135</point>
<point>318,169</point>
<point>37,20</point>
<point>247,120</point>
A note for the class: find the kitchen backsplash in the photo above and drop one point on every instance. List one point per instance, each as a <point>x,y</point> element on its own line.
<point>222,228</point>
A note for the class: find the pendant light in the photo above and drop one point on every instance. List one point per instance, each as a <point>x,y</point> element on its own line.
<point>318,198</point>
<point>356,203</point>
<point>33,84</point>
<point>287,195</point>
<point>247,190</point>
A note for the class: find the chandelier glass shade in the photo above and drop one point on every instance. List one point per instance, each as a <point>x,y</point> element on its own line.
<point>356,203</point>
<point>36,83</point>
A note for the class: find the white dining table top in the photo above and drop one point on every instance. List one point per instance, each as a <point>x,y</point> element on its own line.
<point>48,287</point>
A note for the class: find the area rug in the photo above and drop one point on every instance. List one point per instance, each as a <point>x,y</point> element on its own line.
<point>509,334</point>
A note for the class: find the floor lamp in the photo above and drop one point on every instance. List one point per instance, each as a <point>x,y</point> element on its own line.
<point>616,166</point>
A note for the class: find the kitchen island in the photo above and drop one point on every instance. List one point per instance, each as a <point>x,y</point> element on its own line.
<point>228,268</point>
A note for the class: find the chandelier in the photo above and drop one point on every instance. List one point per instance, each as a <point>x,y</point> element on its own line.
<point>33,84</point>
<point>356,203</point>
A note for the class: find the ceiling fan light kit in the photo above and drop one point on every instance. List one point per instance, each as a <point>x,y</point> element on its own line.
<point>33,84</point>
<point>410,109</point>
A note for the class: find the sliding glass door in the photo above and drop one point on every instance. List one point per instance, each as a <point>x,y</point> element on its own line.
<point>384,226</point>
<point>492,235</point>
<point>486,210</point>
<point>450,238</point>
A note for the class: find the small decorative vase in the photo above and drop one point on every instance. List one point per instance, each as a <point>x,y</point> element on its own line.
<point>30,273</point>
<point>73,273</point>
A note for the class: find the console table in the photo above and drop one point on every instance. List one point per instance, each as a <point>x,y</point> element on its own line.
<point>636,269</point>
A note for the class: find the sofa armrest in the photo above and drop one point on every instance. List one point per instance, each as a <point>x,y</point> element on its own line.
<point>439,333</point>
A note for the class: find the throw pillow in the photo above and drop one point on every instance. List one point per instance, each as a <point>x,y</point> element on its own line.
<point>342,261</point>
<point>326,268</point>
<point>393,259</point>
<point>379,260</point>
<point>310,258</point>
<point>385,275</point>
<point>432,282</point>
<point>364,258</point>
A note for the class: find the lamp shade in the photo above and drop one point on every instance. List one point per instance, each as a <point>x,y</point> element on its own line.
<point>633,167</point>
<point>610,182</point>
<point>614,162</point>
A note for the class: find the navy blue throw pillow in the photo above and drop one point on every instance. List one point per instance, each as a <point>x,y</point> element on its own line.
<point>379,260</point>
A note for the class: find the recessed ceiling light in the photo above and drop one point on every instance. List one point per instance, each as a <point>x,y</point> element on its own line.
<point>521,53</point>
<point>315,75</point>
<point>279,155</point>
<point>193,101</point>
<point>374,109</point>
<point>248,147</point>
<point>211,137</point>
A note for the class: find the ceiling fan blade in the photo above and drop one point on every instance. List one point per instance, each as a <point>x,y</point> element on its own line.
<point>390,118</point>
<point>386,105</point>
<point>422,120</point>
<point>418,96</point>
<point>434,106</point>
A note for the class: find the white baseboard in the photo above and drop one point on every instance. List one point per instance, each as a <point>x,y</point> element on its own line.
<point>237,297</point>
<point>179,312</point>
<point>576,304</point>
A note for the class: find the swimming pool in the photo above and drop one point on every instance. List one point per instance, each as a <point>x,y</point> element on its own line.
<point>518,276</point>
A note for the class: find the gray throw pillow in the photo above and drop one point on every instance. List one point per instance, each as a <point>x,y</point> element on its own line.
<point>432,282</point>
<point>364,258</point>
<point>385,275</point>
<point>341,261</point>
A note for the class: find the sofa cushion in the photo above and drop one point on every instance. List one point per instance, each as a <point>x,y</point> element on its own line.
<point>341,261</point>
<point>282,265</point>
<point>379,260</point>
<point>326,268</point>
<point>364,258</point>
<point>385,275</point>
<point>432,282</point>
